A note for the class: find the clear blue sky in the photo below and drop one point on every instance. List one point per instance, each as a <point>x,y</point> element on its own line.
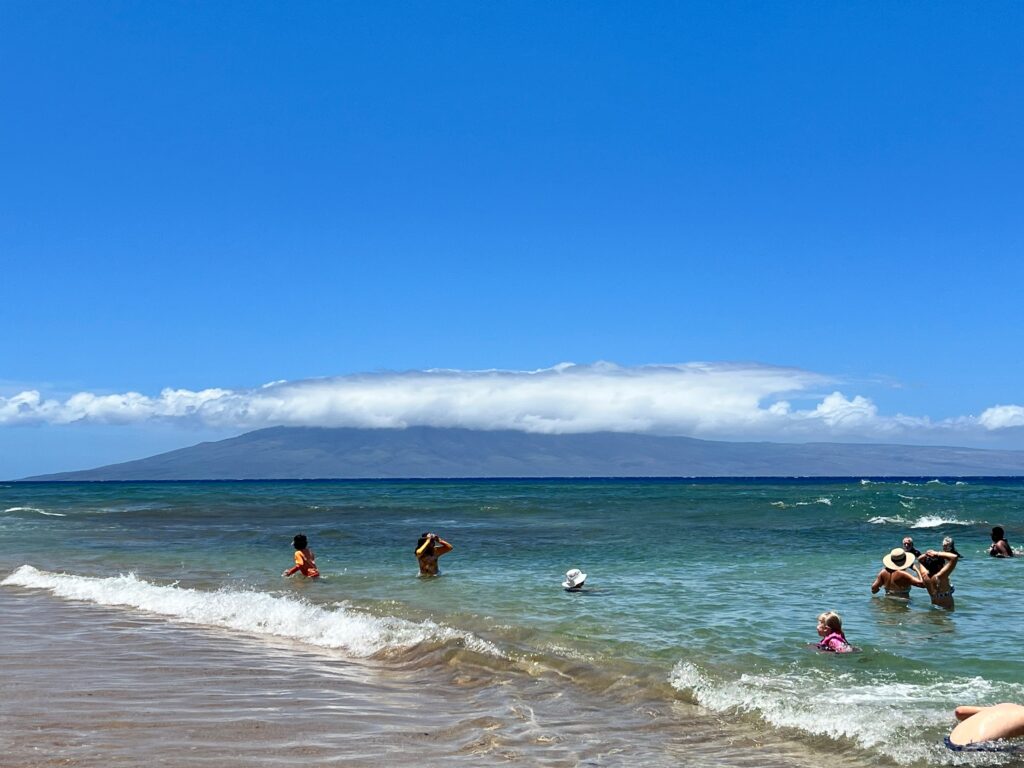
<point>200,195</point>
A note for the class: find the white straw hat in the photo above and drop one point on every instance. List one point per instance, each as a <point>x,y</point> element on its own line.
<point>574,578</point>
<point>898,559</point>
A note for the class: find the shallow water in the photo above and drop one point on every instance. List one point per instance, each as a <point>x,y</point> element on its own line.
<point>688,645</point>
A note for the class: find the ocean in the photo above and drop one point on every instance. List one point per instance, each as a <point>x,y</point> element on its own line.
<point>148,623</point>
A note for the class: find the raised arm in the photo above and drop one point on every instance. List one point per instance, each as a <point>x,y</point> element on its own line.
<point>926,581</point>
<point>951,560</point>
<point>442,547</point>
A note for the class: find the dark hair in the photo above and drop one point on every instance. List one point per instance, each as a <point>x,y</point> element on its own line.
<point>998,534</point>
<point>423,539</point>
<point>932,564</point>
<point>300,541</point>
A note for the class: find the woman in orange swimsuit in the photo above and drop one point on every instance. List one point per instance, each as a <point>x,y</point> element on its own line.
<point>305,560</point>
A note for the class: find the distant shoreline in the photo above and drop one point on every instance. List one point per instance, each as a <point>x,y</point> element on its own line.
<point>669,480</point>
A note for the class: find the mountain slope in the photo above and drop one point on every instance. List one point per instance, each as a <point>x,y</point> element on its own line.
<point>311,452</point>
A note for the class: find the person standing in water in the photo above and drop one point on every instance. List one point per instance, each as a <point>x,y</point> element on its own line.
<point>430,547</point>
<point>305,560</point>
<point>908,545</point>
<point>934,569</point>
<point>1000,546</point>
<point>896,581</point>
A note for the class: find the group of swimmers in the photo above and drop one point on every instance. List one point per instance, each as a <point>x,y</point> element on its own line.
<point>979,727</point>
<point>429,547</point>
<point>932,569</point>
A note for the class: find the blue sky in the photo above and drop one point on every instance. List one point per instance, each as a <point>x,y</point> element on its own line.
<point>818,198</point>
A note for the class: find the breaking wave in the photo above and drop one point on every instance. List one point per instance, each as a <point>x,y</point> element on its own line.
<point>35,509</point>
<point>903,721</point>
<point>339,627</point>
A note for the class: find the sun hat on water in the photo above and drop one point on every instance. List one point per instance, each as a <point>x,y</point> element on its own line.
<point>898,559</point>
<point>574,578</point>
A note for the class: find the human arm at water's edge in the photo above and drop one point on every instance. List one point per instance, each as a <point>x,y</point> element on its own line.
<point>879,582</point>
<point>963,712</point>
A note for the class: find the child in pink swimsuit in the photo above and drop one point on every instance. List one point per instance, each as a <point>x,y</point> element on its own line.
<point>830,630</point>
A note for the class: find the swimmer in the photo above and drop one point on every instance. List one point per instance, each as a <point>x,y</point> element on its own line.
<point>430,547</point>
<point>934,569</point>
<point>1000,546</point>
<point>305,560</point>
<point>896,581</point>
<point>908,546</point>
<point>830,630</point>
<point>574,579</point>
<point>980,726</point>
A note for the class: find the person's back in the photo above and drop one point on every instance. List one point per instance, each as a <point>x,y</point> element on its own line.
<point>305,560</point>
<point>892,578</point>
<point>430,547</point>
<point>1000,546</point>
<point>895,583</point>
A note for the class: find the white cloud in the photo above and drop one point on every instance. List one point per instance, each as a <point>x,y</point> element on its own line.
<point>712,400</point>
<point>1002,417</point>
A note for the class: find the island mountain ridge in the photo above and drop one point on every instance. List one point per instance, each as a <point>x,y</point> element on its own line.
<point>280,453</point>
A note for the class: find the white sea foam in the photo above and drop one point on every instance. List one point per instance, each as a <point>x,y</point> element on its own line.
<point>35,509</point>
<point>784,505</point>
<point>884,520</point>
<point>936,521</point>
<point>341,627</point>
<point>879,714</point>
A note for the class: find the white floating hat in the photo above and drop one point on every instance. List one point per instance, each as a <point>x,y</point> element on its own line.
<point>574,578</point>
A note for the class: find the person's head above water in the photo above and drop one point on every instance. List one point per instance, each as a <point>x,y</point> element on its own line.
<point>908,544</point>
<point>831,621</point>
<point>574,579</point>
<point>424,538</point>
<point>948,545</point>
<point>300,541</point>
<point>931,563</point>
<point>998,534</point>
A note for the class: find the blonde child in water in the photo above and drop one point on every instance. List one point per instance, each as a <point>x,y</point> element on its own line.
<point>830,630</point>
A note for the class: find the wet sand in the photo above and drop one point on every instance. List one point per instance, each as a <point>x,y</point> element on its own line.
<point>86,685</point>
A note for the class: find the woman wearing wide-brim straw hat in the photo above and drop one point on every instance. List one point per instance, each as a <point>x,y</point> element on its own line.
<point>894,578</point>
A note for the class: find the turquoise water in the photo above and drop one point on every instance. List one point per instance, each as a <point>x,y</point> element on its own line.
<point>703,591</point>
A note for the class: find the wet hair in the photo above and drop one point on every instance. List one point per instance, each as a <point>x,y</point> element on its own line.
<point>424,537</point>
<point>998,534</point>
<point>832,620</point>
<point>952,547</point>
<point>300,541</point>
<point>931,563</point>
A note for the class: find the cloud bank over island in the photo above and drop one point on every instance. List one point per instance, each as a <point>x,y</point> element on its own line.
<point>746,401</point>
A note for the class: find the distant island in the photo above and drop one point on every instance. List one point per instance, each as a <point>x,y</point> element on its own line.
<point>296,453</point>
